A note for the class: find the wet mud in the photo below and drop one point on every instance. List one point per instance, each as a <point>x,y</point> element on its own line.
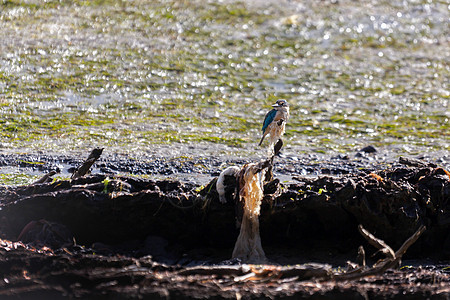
<point>111,235</point>
<point>198,164</point>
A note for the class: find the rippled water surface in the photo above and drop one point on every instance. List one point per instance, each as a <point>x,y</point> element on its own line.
<point>178,77</point>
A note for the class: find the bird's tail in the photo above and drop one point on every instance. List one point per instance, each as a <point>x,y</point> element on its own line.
<point>262,139</point>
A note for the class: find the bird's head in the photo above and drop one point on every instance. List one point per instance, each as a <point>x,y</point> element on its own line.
<point>280,103</point>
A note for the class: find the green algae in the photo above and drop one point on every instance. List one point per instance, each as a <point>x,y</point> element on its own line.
<point>17,179</point>
<point>139,74</point>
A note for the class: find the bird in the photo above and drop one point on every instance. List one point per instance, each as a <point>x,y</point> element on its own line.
<point>275,121</point>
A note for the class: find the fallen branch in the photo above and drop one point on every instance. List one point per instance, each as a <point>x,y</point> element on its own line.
<point>276,151</point>
<point>412,162</point>
<point>409,242</point>
<point>377,243</point>
<point>313,271</point>
<point>84,169</point>
<point>388,263</point>
<point>245,272</point>
<point>46,178</point>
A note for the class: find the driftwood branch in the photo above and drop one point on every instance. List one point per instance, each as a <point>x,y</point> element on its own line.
<point>409,242</point>
<point>412,162</point>
<point>92,158</point>
<point>361,258</point>
<point>276,151</point>
<point>310,271</point>
<point>46,178</point>
<point>242,273</point>
<point>248,199</point>
<point>377,243</point>
<point>388,263</point>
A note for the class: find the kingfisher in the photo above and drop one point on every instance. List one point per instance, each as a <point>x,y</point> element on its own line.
<point>274,122</point>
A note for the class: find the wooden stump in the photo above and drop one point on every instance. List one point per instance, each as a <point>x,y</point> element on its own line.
<point>248,246</point>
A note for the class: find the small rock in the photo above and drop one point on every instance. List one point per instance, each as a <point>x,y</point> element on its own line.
<point>341,157</point>
<point>368,149</point>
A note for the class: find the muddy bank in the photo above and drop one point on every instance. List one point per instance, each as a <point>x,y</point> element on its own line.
<point>32,275</point>
<point>199,164</point>
<point>137,233</point>
<point>113,209</point>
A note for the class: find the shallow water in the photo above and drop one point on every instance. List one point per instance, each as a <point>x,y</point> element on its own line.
<point>171,78</point>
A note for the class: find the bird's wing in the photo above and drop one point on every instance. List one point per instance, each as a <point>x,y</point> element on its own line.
<point>269,118</point>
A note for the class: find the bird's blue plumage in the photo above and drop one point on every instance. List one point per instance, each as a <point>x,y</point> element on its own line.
<point>268,119</point>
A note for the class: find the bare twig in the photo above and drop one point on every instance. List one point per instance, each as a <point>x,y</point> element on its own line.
<point>410,241</point>
<point>377,243</point>
<point>389,262</point>
<point>361,258</point>
<point>46,178</point>
<point>84,169</point>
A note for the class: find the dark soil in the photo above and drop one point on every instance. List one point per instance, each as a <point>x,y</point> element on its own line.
<point>29,274</point>
<point>186,168</point>
<point>114,236</point>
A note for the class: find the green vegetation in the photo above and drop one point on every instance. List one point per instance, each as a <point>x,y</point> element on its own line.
<point>17,179</point>
<point>135,73</point>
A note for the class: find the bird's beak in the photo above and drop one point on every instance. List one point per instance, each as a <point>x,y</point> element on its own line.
<point>275,105</point>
